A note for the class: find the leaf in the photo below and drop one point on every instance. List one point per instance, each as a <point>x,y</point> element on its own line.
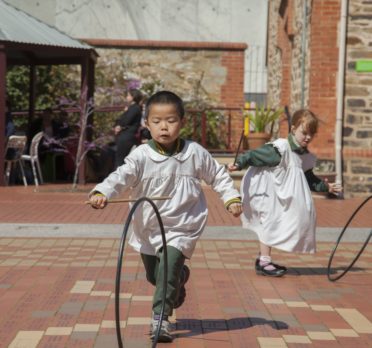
<point>263,117</point>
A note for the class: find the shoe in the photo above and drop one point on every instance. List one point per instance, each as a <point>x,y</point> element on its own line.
<point>185,275</point>
<point>257,266</point>
<point>279,271</point>
<point>165,335</point>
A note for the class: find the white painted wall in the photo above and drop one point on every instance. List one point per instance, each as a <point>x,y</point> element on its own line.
<point>168,20</point>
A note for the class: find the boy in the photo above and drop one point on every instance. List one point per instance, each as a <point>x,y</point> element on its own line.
<point>168,166</point>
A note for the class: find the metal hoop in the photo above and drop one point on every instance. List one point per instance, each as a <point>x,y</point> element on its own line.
<point>119,266</point>
<point>332,279</point>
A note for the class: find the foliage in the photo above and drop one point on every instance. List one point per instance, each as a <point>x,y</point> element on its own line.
<point>263,118</point>
<point>216,128</point>
<point>52,84</point>
<point>17,81</point>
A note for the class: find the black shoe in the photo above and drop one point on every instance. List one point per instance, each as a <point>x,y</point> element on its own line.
<point>279,271</point>
<point>280,267</point>
<point>185,275</point>
<point>257,266</point>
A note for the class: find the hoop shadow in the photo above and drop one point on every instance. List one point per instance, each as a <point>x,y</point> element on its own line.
<point>319,270</point>
<point>193,327</point>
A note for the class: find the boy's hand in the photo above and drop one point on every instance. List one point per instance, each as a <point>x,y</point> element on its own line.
<point>231,167</point>
<point>235,209</point>
<point>98,201</point>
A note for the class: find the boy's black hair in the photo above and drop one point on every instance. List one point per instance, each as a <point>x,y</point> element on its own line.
<point>166,97</point>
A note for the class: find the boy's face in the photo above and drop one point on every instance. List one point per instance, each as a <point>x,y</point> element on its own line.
<point>164,124</point>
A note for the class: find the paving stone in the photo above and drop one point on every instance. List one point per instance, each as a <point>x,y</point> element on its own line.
<point>92,305</point>
<point>317,327</point>
<point>59,331</point>
<point>83,336</point>
<point>26,339</point>
<point>42,314</point>
<point>72,308</point>
<point>320,335</point>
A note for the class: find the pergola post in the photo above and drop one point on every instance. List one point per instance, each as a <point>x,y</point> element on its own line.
<point>31,97</point>
<point>87,94</point>
<point>2,111</point>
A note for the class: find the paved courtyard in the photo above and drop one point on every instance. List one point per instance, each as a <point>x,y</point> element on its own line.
<point>57,275</point>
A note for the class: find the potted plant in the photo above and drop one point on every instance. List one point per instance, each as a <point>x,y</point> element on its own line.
<point>260,123</point>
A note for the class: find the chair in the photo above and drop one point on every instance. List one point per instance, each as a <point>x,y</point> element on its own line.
<point>33,157</point>
<point>13,155</point>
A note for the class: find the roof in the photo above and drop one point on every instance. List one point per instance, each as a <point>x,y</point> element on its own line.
<point>19,27</point>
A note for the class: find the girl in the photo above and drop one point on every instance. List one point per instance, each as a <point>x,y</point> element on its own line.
<point>168,166</point>
<point>127,126</point>
<point>276,195</point>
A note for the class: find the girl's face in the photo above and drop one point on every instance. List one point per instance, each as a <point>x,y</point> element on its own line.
<point>164,124</point>
<point>129,98</point>
<point>302,135</point>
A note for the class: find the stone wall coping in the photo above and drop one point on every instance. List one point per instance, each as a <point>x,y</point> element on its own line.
<point>152,44</point>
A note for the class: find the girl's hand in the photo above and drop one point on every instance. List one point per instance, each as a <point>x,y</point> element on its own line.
<point>235,209</point>
<point>334,187</point>
<point>231,167</point>
<point>98,201</point>
<point>117,130</point>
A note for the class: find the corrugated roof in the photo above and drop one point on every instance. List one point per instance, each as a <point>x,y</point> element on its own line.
<point>18,26</point>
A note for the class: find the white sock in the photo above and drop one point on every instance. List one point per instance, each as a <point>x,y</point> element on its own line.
<point>265,261</point>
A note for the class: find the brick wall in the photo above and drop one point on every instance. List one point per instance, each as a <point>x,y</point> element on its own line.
<point>323,72</point>
<point>320,80</point>
<point>231,90</point>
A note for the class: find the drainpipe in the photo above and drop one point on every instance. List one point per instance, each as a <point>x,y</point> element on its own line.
<point>340,90</point>
<point>303,54</point>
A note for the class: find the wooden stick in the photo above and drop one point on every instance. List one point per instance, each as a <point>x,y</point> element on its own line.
<point>240,143</point>
<point>125,200</point>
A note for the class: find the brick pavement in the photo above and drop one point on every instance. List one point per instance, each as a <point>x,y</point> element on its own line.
<point>58,292</point>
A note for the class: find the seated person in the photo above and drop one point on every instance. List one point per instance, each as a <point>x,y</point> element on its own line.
<point>54,133</point>
<point>51,127</point>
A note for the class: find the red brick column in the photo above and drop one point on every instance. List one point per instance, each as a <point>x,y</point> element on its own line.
<point>323,72</point>
<point>232,92</point>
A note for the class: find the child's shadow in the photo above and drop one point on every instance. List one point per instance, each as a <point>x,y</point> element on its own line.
<point>194,327</point>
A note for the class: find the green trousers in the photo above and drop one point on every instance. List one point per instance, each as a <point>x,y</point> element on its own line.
<point>154,266</point>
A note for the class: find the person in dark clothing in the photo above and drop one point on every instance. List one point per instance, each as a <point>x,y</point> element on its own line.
<point>9,124</point>
<point>52,127</point>
<point>127,125</point>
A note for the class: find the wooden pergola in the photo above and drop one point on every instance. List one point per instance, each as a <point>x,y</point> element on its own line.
<point>64,51</point>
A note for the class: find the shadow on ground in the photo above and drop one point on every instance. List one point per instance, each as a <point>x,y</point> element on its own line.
<point>193,327</point>
<point>320,270</point>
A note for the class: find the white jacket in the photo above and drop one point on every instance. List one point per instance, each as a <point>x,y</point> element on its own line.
<point>148,173</point>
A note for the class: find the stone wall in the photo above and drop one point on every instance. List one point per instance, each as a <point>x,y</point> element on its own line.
<point>274,56</point>
<point>288,68</point>
<point>210,73</point>
<point>357,137</point>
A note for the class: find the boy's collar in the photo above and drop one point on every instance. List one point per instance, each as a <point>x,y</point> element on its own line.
<point>159,149</point>
<point>295,147</point>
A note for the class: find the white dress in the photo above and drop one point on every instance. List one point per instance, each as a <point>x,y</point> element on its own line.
<point>149,173</point>
<point>277,202</point>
